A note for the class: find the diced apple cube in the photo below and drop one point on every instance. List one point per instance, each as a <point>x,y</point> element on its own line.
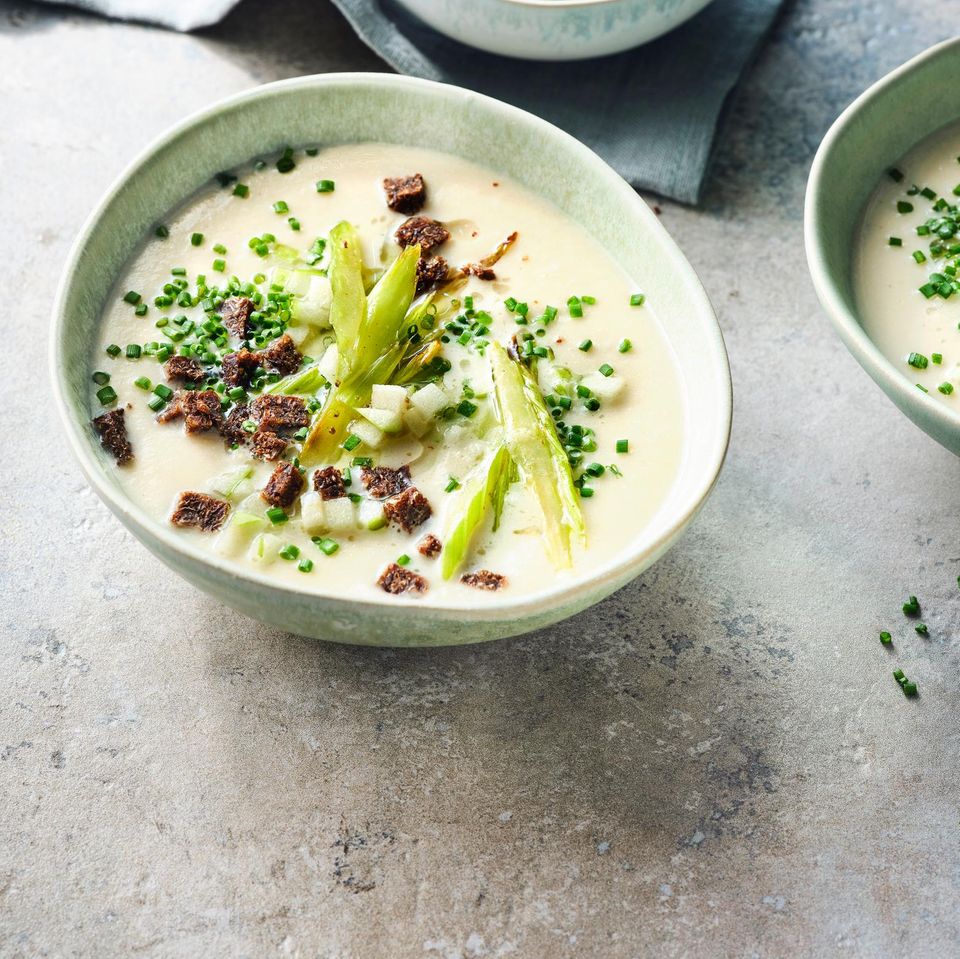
<point>311,513</point>
<point>389,397</point>
<point>339,514</point>
<point>418,423</point>
<point>372,436</point>
<point>430,400</point>
<point>328,363</point>
<point>370,515</point>
<point>387,420</point>
<point>265,549</point>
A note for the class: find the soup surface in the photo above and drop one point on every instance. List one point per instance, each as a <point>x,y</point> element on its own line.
<point>907,262</point>
<point>310,393</point>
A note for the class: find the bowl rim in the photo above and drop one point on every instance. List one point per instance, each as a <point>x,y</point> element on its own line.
<point>614,574</point>
<point>846,321</point>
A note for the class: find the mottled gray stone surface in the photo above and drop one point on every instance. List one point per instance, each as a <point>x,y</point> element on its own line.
<point>714,762</point>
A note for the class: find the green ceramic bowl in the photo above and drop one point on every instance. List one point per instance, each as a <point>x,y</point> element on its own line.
<point>337,108</point>
<point>867,139</point>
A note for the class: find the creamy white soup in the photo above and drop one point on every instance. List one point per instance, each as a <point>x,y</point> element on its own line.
<point>907,265</point>
<point>373,369</point>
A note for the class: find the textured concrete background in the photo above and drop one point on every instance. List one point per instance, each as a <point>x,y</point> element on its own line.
<point>714,762</point>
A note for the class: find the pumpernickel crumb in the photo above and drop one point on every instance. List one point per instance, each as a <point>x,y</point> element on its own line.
<point>284,486</point>
<point>423,230</point>
<point>237,369</point>
<point>429,546</point>
<point>408,510</point>
<point>235,315</point>
<point>276,412</point>
<point>200,511</point>
<point>282,356</point>
<point>267,446</point>
<point>430,272</point>
<point>382,481</point>
<point>328,482</point>
<point>200,409</point>
<point>405,194</point>
<point>232,430</point>
<point>112,431</point>
<point>398,579</point>
<point>184,368</point>
<point>484,579</point>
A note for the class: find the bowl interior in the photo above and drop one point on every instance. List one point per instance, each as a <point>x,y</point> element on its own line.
<point>373,107</point>
<point>872,134</point>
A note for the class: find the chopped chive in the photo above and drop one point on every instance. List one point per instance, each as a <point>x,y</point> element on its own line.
<point>894,174</point>
<point>606,369</point>
<point>196,239</point>
<point>911,607</point>
<point>625,346</point>
<point>886,638</point>
<point>241,190</point>
<point>351,442</point>
<point>403,560</point>
<point>277,516</point>
<point>113,350</point>
<point>466,408</point>
<point>904,207</point>
<point>157,404</point>
<point>132,297</point>
<point>134,351</point>
<point>899,676</point>
<point>575,307</point>
<point>294,223</point>
<point>312,151</point>
<point>945,388</point>
<point>592,404</point>
<point>325,186</point>
<point>305,565</point>
<point>921,387</point>
<point>326,546</point>
<point>219,248</point>
<point>895,241</point>
<point>290,551</point>
<point>919,256</point>
<point>921,628</point>
<point>589,300</point>
<point>928,193</point>
<point>623,446</point>
<point>107,395</point>
<point>585,346</point>
<point>280,207</point>
<point>909,688</point>
<point>936,358</point>
<point>163,391</point>
<point>219,265</point>
<point>452,485</point>
<point>141,309</point>
<point>161,231</point>
<point>595,469</point>
<point>586,491</point>
<point>286,162</point>
<point>918,361</point>
<point>142,382</point>
<point>637,299</point>
<point>178,271</point>
<point>101,379</point>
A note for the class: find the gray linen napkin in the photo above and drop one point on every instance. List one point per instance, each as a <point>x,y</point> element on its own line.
<point>652,113</point>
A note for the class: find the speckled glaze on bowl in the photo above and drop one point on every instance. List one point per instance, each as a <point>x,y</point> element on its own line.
<point>554,29</point>
<point>869,137</point>
<point>339,108</point>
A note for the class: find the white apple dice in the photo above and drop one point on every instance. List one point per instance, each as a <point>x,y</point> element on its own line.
<point>389,421</point>
<point>388,397</point>
<point>605,388</point>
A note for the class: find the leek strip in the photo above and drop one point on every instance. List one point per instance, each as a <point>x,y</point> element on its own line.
<point>480,496</point>
<point>532,440</point>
